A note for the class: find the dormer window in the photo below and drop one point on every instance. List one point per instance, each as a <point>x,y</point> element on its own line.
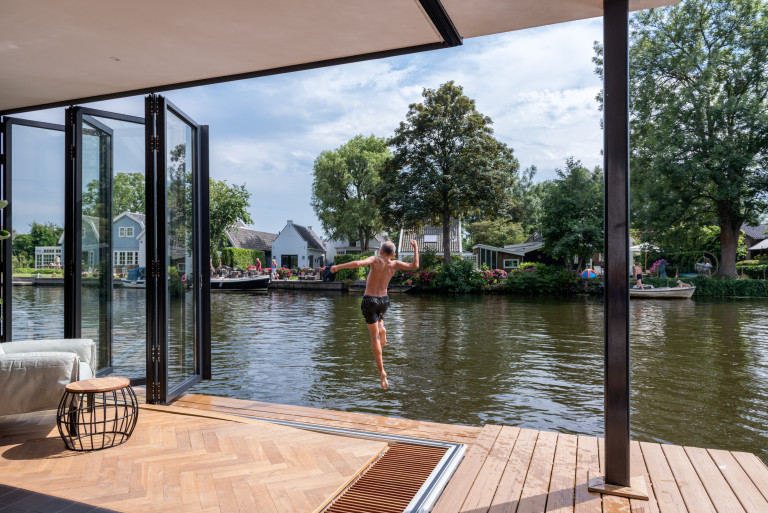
<point>126,231</point>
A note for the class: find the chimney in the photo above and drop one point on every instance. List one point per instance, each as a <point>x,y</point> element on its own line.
<point>290,222</point>
<point>309,227</point>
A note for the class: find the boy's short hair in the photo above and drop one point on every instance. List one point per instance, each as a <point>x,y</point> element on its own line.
<point>388,248</point>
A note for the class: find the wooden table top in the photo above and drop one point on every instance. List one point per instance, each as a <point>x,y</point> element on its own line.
<point>97,385</point>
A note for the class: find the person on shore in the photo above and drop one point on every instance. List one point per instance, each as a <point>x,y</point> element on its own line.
<point>274,269</point>
<point>375,300</point>
<point>638,276</point>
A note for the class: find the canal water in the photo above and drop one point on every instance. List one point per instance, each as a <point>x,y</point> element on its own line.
<point>699,367</point>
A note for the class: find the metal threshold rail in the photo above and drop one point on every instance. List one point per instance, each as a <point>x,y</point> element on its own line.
<point>430,491</point>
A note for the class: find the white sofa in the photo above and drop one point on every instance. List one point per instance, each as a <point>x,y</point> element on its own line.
<point>33,373</point>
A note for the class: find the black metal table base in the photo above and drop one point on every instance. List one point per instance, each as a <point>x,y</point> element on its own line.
<point>91,421</point>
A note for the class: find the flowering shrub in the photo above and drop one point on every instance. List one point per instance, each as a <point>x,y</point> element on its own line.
<point>657,264</point>
<point>427,276</point>
<point>401,276</point>
<point>492,276</point>
<point>283,272</point>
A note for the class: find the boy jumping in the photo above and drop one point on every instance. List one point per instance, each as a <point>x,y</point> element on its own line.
<point>375,301</point>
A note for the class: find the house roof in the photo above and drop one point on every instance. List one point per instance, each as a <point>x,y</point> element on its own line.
<point>755,232</point>
<point>763,244</point>
<point>50,56</point>
<point>437,234</point>
<point>313,241</point>
<point>525,247</point>
<point>139,218</point>
<point>246,238</point>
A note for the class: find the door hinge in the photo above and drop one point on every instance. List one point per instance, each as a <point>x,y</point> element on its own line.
<point>72,152</point>
<point>154,143</point>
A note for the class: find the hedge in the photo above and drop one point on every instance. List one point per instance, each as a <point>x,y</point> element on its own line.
<point>348,274</point>
<point>238,258</point>
<point>717,286</point>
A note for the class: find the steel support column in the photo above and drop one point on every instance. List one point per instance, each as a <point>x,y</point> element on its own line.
<point>616,147</point>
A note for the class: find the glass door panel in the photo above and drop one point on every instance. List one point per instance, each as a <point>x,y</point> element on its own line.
<point>180,164</point>
<point>129,330</point>
<point>105,195</point>
<point>96,238</point>
<point>33,183</point>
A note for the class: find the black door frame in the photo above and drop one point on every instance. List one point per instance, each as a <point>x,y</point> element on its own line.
<point>6,215</point>
<point>158,391</point>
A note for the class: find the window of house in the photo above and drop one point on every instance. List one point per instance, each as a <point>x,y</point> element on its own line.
<point>129,231</point>
<point>122,231</point>
<point>511,263</point>
<point>289,261</point>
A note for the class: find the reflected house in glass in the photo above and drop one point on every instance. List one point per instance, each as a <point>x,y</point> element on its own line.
<point>127,230</point>
<point>91,242</point>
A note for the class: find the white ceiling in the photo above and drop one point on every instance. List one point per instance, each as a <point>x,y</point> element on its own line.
<point>53,51</point>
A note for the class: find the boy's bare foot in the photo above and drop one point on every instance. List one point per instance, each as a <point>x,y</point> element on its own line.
<point>384,382</point>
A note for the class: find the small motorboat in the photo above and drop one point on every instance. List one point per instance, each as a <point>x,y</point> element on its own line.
<point>663,292</point>
<point>136,279</point>
<point>244,283</point>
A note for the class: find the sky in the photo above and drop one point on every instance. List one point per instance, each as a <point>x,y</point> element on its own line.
<point>537,85</point>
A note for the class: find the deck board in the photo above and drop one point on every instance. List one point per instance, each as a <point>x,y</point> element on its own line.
<point>749,496</point>
<point>721,495</point>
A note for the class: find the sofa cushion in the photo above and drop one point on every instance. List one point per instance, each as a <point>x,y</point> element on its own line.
<point>84,347</point>
<point>35,381</point>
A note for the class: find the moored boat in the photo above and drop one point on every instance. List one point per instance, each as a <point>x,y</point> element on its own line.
<point>136,279</point>
<point>663,293</point>
<point>246,283</point>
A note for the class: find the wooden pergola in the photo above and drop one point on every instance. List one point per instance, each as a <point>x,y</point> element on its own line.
<point>55,54</point>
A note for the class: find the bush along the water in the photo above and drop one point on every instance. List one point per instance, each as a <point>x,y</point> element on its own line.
<point>706,286</point>
<point>239,258</point>
<point>347,274</point>
<point>458,277</point>
<point>540,279</point>
<point>755,269</point>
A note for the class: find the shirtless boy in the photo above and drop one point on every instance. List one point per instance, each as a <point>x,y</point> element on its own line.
<point>375,301</point>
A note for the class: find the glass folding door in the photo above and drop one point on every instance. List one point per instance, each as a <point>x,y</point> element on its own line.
<point>176,288</point>
<point>105,213</point>
<point>33,183</point>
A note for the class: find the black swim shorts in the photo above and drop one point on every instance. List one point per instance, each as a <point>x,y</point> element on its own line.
<point>374,308</point>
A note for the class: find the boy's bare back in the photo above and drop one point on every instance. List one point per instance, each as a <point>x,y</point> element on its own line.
<point>381,272</point>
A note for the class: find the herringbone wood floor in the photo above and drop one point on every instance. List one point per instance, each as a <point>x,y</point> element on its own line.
<point>176,462</point>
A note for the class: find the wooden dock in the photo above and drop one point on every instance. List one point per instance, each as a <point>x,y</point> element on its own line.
<point>511,470</point>
<point>201,455</point>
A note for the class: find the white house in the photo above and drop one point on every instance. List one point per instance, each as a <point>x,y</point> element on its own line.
<point>298,246</point>
<point>430,238</point>
<point>351,247</point>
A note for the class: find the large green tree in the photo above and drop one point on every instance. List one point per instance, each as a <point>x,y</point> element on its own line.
<point>572,213</point>
<point>127,194</point>
<point>699,129</point>
<point>498,233</point>
<point>229,204</point>
<point>446,164</point>
<point>345,180</point>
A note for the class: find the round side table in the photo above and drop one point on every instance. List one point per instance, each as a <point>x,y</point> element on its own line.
<point>97,413</point>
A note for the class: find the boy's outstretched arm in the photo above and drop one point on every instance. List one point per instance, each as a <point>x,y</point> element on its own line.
<point>352,265</point>
<point>411,266</point>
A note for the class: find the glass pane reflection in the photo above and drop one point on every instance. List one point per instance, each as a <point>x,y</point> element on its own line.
<point>180,241</point>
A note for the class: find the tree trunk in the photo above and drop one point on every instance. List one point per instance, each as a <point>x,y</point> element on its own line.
<point>730,228</point>
<point>447,237</point>
<point>363,243</point>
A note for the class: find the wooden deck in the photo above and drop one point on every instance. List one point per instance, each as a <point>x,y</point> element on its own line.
<point>505,468</point>
<point>512,470</point>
